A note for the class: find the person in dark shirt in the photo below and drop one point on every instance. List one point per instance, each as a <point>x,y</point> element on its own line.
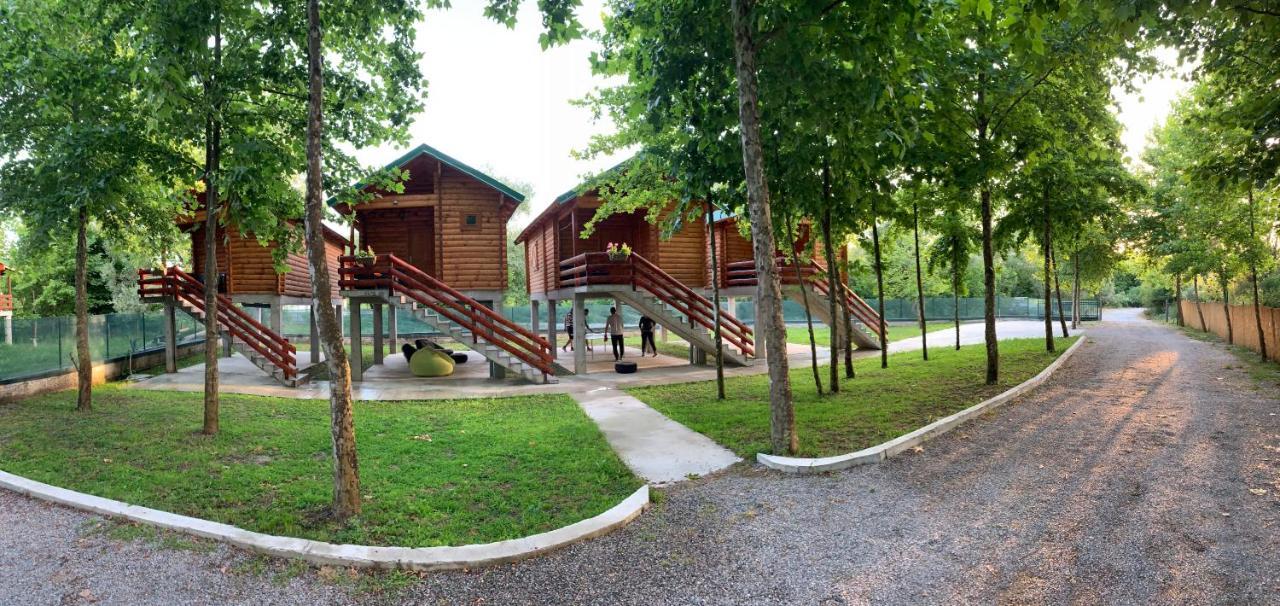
<point>646,336</point>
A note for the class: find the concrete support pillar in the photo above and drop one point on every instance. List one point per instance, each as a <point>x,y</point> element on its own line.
<point>392,331</point>
<point>696,354</point>
<point>315,333</point>
<point>495,371</point>
<point>355,355</point>
<point>553,321</point>
<point>170,337</point>
<point>579,334</point>
<point>378,347</point>
<point>275,315</point>
<point>534,320</point>
<point>8,329</point>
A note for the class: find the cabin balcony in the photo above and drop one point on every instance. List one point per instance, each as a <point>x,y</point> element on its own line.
<point>6,302</point>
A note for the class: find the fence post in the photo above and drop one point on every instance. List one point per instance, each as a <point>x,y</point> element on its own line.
<point>171,338</point>
<point>57,321</point>
<point>106,334</point>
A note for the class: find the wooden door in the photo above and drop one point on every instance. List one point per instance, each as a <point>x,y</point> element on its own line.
<point>422,246</point>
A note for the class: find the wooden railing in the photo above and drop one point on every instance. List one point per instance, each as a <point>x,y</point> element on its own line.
<point>400,278</point>
<point>185,290</point>
<point>743,273</point>
<point>639,273</point>
<point>6,302</point>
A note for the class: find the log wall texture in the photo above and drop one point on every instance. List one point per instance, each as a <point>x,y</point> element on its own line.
<point>472,257</point>
<point>1244,326</point>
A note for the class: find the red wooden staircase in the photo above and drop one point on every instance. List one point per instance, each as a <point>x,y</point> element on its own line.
<point>263,347</point>
<point>666,300</point>
<point>866,333</point>
<point>464,319</point>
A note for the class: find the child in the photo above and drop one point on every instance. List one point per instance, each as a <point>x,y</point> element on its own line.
<point>613,326</point>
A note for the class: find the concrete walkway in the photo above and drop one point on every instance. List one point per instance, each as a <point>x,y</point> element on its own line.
<point>656,448</point>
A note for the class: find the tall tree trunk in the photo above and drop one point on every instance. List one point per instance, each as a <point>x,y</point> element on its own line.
<point>835,292</point>
<point>84,360</point>
<point>988,265</point>
<point>1253,277</point>
<point>346,469</point>
<point>804,296</point>
<point>875,246</point>
<point>1226,305</point>
<point>955,303</point>
<point>213,161</point>
<point>782,427</point>
<point>1057,287</point>
<point>1075,289</point>
<point>1195,292</point>
<point>1177,296</point>
<point>715,298</point>
<point>915,226</point>
<point>1048,293</point>
<point>847,310</point>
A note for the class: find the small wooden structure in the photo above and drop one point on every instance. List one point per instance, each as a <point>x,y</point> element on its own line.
<point>444,240</point>
<point>664,278</point>
<point>247,277</point>
<point>6,304</point>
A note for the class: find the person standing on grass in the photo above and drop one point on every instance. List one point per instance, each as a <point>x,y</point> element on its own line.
<point>646,336</point>
<point>613,326</point>
<point>568,329</point>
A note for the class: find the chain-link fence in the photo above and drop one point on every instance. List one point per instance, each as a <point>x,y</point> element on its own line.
<point>32,347</point>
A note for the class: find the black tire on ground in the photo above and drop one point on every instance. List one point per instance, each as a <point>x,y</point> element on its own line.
<point>458,358</point>
<point>624,368</point>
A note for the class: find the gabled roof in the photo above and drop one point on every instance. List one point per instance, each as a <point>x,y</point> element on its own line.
<point>427,150</point>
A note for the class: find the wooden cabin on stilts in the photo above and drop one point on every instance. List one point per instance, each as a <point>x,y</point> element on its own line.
<point>666,279</point>
<point>248,279</point>
<point>438,251</point>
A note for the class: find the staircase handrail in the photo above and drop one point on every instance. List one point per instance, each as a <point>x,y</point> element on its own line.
<point>401,277</point>
<point>182,287</point>
<point>640,272</point>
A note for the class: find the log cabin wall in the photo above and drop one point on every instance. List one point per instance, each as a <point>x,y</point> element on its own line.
<point>252,268</point>
<point>473,232</point>
<point>731,245</point>
<point>408,233</point>
<point>684,254</point>
<point>541,262</point>
<point>450,221</point>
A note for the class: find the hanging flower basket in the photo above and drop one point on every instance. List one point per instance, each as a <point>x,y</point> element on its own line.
<point>618,252</point>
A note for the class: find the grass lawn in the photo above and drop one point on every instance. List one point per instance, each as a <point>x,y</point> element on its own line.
<point>679,349</point>
<point>445,472</point>
<point>822,334</point>
<point>879,405</point>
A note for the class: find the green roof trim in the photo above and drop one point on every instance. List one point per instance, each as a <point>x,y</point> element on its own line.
<point>578,190</point>
<point>424,149</point>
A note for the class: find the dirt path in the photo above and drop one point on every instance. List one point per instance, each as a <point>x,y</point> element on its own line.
<point>1124,479</point>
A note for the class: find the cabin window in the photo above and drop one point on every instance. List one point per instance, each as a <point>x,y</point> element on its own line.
<point>471,222</point>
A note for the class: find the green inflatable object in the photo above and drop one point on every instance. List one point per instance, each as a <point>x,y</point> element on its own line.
<point>428,362</point>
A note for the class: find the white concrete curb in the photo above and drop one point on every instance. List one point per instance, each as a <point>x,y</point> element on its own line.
<point>893,447</point>
<point>316,552</point>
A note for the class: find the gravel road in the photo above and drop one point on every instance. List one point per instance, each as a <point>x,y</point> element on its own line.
<point>1135,475</point>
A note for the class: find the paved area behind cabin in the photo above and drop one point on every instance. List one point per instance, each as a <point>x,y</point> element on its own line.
<point>1146,471</point>
<point>656,448</point>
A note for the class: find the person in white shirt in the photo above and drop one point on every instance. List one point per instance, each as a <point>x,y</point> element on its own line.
<point>613,326</point>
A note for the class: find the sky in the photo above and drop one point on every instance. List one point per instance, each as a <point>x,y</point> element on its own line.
<point>497,101</point>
